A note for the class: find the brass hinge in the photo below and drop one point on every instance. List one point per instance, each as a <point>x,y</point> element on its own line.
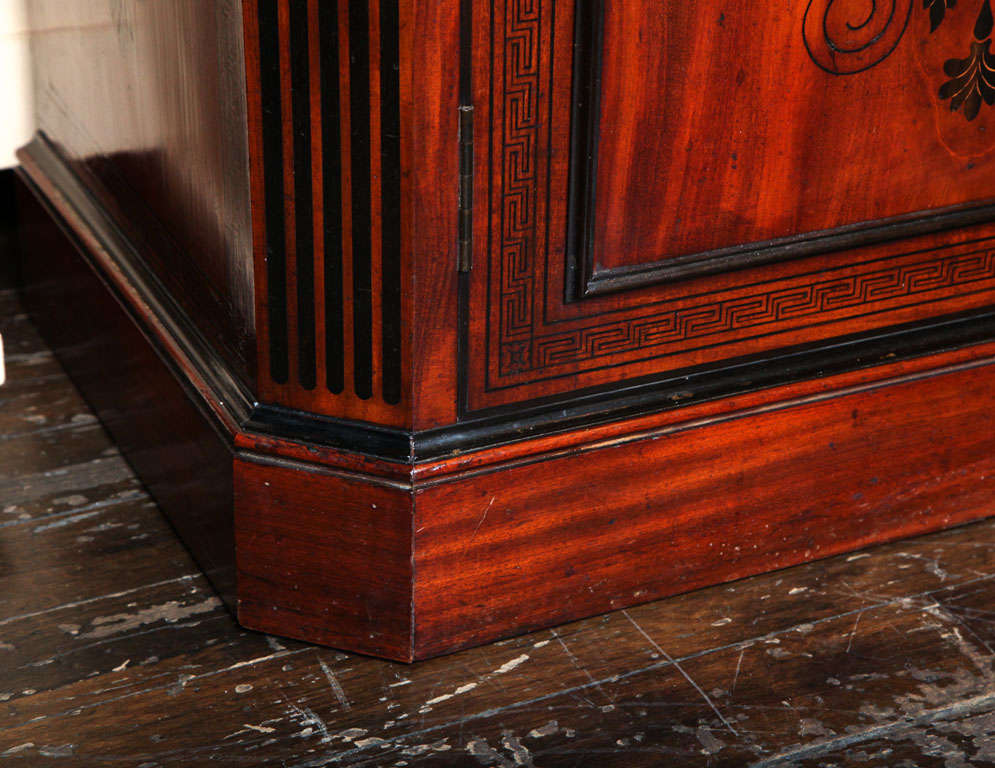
<point>464,226</point>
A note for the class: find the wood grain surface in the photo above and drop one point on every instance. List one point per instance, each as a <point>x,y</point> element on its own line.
<point>147,102</point>
<point>115,651</point>
<point>413,567</point>
<point>746,199</point>
<point>755,140</point>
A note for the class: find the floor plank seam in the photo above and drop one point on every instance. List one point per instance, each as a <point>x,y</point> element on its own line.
<point>320,762</point>
<point>971,706</point>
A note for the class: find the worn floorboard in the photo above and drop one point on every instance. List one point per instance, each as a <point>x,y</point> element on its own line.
<point>115,651</point>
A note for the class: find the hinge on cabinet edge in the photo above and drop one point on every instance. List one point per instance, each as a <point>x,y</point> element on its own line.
<point>464,224</point>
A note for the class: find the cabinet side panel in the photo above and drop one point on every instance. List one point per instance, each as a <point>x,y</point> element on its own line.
<point>147,101</point>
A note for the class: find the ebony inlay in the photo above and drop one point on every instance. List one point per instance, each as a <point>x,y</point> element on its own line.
<point>390,192</point>
<point>342,213</point>
<point>272,137</point>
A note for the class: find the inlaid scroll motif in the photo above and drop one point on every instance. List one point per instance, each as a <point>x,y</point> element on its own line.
<point>845,37</point>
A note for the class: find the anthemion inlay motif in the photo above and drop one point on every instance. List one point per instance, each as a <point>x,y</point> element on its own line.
<point>845,38</point>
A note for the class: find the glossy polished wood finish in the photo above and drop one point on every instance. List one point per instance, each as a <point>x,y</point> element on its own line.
<point>331,237</point>
<point>458,429</point>
<point>547,319</point>
<point>147,101</point>
<point>475,555</point>
<point>755,140</point>
<point>184,460</point>
<point>325,557</point>
<point>413,562</point>
<point>351,110</point>
<point>530,344</point>
<point>567,535</point>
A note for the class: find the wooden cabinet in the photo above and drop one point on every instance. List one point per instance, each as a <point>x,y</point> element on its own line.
<point>499,313</point>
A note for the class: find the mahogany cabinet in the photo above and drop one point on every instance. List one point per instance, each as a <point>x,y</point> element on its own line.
<point>431,322</point>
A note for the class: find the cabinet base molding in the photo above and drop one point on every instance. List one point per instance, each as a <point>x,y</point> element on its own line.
<point>418,545</point>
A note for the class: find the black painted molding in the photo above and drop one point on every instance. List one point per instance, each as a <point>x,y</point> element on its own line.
<point>507,424</point>
<point>631,398</point>
<point>585,122</point>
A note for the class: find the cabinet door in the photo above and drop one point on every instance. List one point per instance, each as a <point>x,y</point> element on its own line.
<point>661,186</point>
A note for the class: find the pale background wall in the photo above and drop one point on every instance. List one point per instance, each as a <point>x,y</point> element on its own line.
<point>15,94</point>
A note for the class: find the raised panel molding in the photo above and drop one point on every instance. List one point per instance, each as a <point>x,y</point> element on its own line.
<point>836,46</point>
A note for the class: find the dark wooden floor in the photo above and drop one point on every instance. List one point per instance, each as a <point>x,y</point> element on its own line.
<point>115,651</point>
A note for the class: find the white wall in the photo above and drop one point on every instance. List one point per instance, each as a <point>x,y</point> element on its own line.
<point>15,93</point>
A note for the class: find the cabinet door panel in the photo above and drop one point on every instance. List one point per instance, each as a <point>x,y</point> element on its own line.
<point>664,186</point>
<point>732,123</point>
